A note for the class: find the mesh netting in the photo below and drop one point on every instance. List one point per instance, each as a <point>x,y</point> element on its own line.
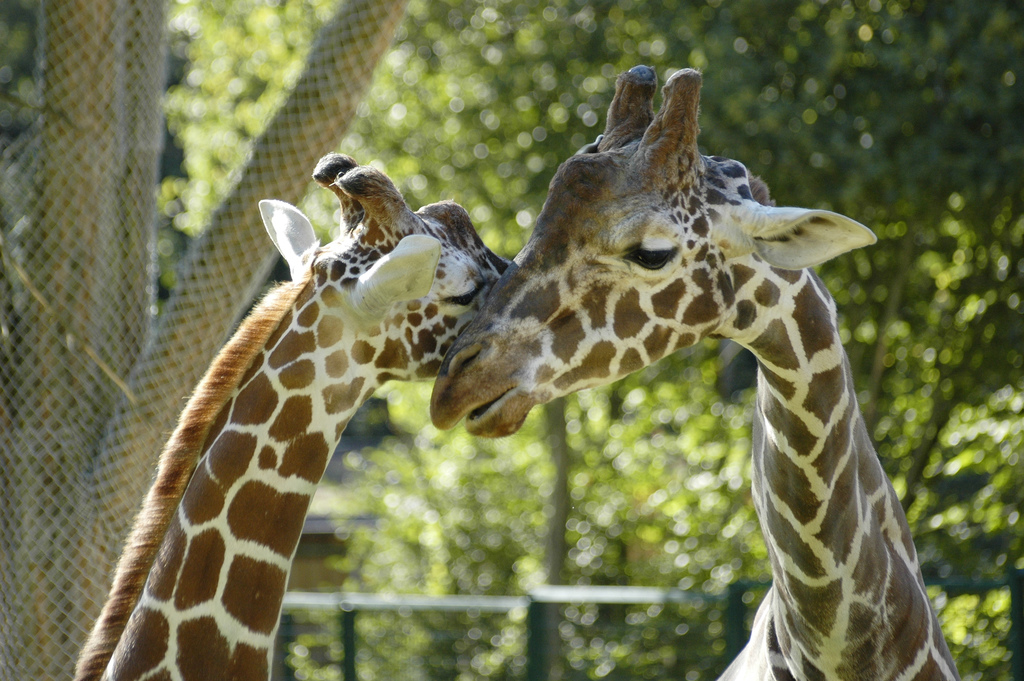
<point>90,380</point>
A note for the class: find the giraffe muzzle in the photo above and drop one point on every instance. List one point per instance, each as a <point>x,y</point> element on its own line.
<point>466,389</point>
<point>502,416</point>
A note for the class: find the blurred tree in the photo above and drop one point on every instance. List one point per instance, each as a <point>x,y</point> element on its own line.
<point>891,112</point>
<point>902,114</point>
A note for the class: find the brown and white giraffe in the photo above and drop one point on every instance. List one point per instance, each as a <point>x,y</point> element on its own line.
<point>645,246</point>
<point>198,590</point>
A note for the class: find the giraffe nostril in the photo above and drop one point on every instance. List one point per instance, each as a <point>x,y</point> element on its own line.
<point>464,357</point>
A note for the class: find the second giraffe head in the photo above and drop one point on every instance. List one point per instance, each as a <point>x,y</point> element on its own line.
<point>413,279</point>
<point>631,258</point>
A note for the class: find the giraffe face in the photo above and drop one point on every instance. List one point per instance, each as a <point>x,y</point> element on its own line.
<point>629,261</point>
<point>405,282</point>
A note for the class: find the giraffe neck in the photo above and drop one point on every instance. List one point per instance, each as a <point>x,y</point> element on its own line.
<point>846,574</point>
<point>212,600</point>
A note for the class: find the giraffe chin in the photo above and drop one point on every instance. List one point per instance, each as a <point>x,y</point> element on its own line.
<point>502,417</point>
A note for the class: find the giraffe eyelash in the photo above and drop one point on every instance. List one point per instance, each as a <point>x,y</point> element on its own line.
<point>465,298</point>
<point>651,259</point>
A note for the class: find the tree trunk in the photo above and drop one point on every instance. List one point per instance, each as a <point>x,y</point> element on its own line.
<point>92,384</point>
<point>557,548</point>
<point>76,317</point>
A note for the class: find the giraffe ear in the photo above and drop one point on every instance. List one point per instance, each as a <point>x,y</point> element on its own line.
<point>406,273</point>
<point>291,232</point>
<point>791,238</point>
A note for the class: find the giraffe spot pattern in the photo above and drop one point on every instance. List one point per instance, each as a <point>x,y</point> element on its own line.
<point>268,458</point>
<point>595,302</point>
<point>783,533</point>
<point>164,574</point>
<point>628,318</point>
<point>426,343</point>
<point>597,364</point>
<point>198,581</point>
<point>540,304</point>
<point>392,355</point>
<point>255,403</point>
<point>821,392</point>
<point>840,528</point>
<point>789,475</point>
<point>204,497</point>
<point>666,301</point>
<point>685,340</point>
<point>814,324</point>
<point>204,653</point>
<point>773,345</point>
<point>568,334</point>
<point>362,352</point>
<point>230,455</point>
<point>741,274</point>
<point>837,440</point>
<point>275,336</point>
<point>428,369</point>
<point>297,375</point>
<point>704,307</point>
<point>656,342</point>
<point>217,426</point>
<point>306,457</point>
<point>767,293</point>
<point>631,361</point>
<point>746,314</point>
<point>149,630</point>
<point>254,592</point>
<point>338,398</point>
<point>292,346</point>
<point>294,418</point>
<point>255,515</point>
<point>798,436</point>
<point>336,364</point>
<point>329,331</point>
<point>254,368</point>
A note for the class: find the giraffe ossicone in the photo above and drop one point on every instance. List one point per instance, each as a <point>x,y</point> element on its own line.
<point>645,246</point>
<point>198,589</point>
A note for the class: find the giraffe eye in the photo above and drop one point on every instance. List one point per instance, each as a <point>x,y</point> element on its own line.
<point>465,298</point>
<point>651,260</point>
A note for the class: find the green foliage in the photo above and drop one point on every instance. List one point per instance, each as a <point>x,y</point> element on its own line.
<point>242,57</point>
<point>903,114</point>
<point>18,98</point>
<point>890,112</point>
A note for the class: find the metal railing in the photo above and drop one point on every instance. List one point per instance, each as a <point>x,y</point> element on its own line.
<point>558,631</point>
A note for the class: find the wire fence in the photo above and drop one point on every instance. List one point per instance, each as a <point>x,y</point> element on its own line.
<point>91,379</point>
<point>584,633</point>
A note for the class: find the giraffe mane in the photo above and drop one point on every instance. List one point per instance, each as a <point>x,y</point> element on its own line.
<point>177,463</point>
<point>759,190</point>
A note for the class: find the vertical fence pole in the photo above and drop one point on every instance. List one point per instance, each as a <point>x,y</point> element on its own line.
<point>537,640</point>
<point>348,643</point>
<point>285,637</point>
<point>1016,580</point>
<point>735,619</point>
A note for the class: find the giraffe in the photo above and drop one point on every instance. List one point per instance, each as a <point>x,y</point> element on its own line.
<point>645,246</point>
<point>197,593</point>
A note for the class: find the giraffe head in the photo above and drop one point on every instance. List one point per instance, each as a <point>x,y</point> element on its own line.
<point>630,260</point>
<point>409,281</point>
